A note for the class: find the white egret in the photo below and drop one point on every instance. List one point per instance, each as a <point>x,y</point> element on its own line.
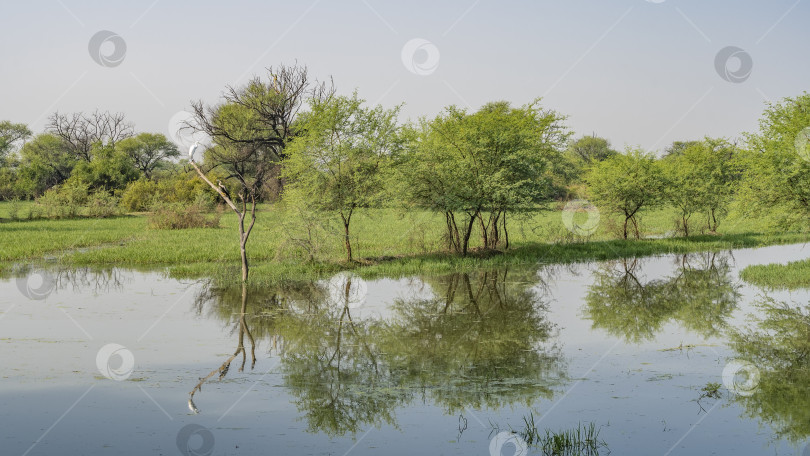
<point>193,149</point>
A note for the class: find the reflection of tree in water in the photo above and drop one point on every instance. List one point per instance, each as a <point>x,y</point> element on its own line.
<point>480,343</point>
<point>779,346</point>
<point>99,280</point>
<point>240,348</point>
<point>700,295</point>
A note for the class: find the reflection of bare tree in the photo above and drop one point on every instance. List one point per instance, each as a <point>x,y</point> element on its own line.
<point>482,340</point>
<point>240,348</point>
<point>99,280</point>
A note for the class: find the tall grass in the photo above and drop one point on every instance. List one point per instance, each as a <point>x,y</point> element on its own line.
<point>386,241</point>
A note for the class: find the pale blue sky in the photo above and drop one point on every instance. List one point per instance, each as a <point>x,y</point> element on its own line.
<point>638,72</point>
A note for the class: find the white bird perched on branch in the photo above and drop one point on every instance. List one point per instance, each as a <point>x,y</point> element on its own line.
<point>193,149</point>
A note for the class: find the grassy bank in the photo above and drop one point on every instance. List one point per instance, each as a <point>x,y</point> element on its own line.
<point>387,241</point>
<point>789,276</point>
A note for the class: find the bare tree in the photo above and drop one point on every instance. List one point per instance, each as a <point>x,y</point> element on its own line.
<point>250,130</point>
<point>81,132</point>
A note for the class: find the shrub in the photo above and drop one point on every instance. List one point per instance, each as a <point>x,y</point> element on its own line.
<point>65,200</point>
<point>178,216</point>
<point>14,209</point>
<point>140,195</point>
<point>102,204</point>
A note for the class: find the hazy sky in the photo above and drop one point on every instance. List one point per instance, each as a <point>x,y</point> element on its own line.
<point>637,72</point>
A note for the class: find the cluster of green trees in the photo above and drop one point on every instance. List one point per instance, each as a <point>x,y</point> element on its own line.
<point>92,160</point>
<point>335,155</point>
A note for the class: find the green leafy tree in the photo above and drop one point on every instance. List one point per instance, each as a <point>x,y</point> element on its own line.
<point>677,147</point>
<point>10,136</point>
<point>250,130</point>
<point>45,162</point>
<point>108,170</point>
<point>148,151</point>
<point>338,164</point>
<point>625,185</point>
<point>482,166</point>
<point>777,162</point>
<point>701,178</point>
<point>591,149</point>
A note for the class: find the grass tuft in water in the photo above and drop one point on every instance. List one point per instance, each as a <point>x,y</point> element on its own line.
<point>582,440</point>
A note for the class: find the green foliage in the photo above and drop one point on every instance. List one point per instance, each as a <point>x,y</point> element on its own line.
<point>590,149</point>
<point>10,135</point>
<point>700,177</point>
<point>338,164</point>
<point>791,276</point>
<point>778,345</point>
<point>148,151</point>
<point>481,166</point>
<point>187,189</point>
<point>45,162</point>
<point>101,204</point>
<point>66,200</point>
<point>177,216</point>
<point>626,185</point>
<point>700,295</point>
<point>139,195</point>
<point>109,170</point>
<point>777,170</point>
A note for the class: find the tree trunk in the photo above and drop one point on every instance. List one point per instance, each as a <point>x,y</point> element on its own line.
<point>484,229</point>
<point>467,234</point>
<point>626,219</point>
<point>346,221</point>
<point>505,232</point>
<point>452,232</point>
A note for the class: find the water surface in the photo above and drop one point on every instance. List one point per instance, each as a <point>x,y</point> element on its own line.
<point>416,365</point>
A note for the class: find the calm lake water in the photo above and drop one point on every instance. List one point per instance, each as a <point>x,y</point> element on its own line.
<point>105,361</point>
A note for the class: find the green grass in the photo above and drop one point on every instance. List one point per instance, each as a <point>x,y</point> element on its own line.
<point>789,276</point>
<point>582,440</point>
<point>387,242</point>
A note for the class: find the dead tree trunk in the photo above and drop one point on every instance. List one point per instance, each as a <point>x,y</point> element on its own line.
<point>244,234</point>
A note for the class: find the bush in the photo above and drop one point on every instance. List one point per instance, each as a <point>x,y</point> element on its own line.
<point>14,209</point>
<point>101,204</point>
<point>178,216</point>
<point>140,195</point>
<point>65,200</point>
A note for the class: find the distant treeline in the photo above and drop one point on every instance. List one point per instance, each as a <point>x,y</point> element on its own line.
<point>286,136</point>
